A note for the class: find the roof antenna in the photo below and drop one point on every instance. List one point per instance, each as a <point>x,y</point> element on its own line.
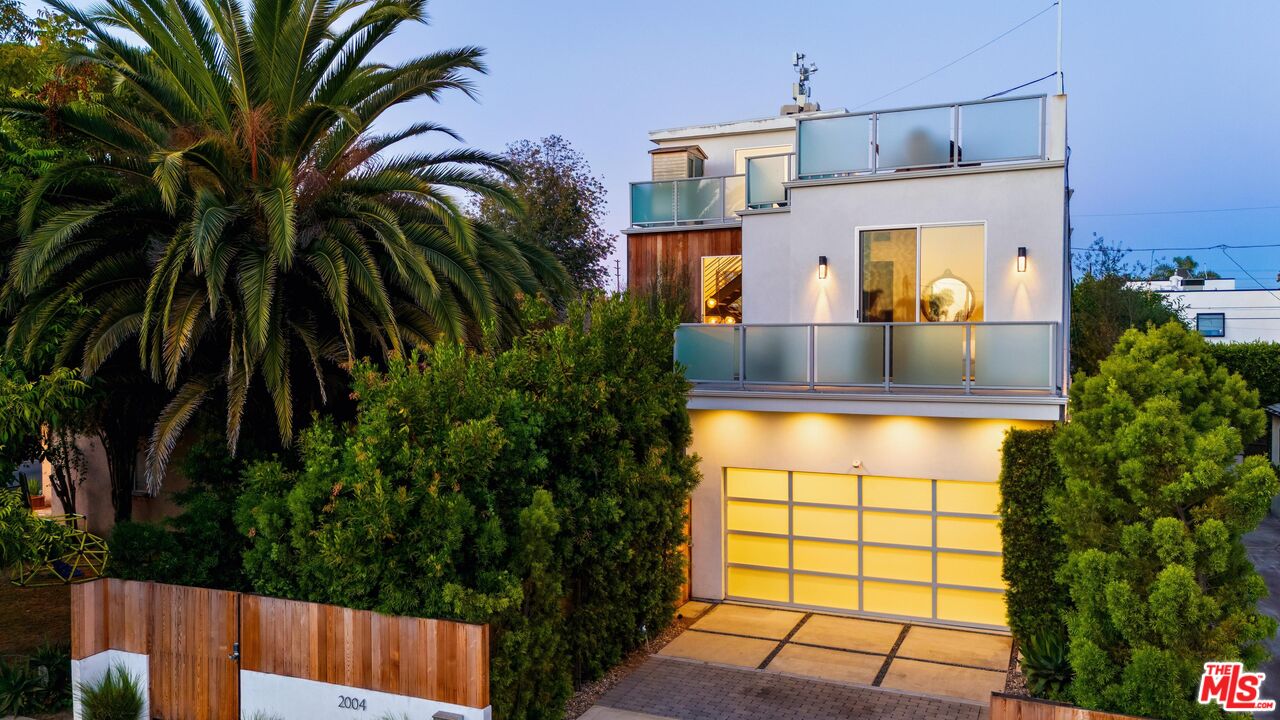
<point>800,90</point>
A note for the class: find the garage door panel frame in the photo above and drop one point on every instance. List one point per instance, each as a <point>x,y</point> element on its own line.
<point>860,577</point>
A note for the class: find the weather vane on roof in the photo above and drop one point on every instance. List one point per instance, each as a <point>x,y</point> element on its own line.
<point>800,90</point>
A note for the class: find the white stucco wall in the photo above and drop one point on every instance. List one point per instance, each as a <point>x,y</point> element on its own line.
<point>907,447</point>
<point>90,670</point>
<point>1250,314</point>
<point>290,698</point>
<point>1019,207</point>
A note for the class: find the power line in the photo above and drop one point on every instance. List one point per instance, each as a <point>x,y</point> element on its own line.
<point>1019,87</point>
<point>962,57</point>
<point>1179,212</point>
<point>1246,272</point>
<point>1171,249</point>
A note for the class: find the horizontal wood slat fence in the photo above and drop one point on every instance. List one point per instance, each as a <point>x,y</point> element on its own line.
<point>190,633</point>
<point>431,659</point>
<point>1012,707</point>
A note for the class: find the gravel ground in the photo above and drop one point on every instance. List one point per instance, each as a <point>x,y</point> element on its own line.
<point>1015,683</point>
<point>588,694</point>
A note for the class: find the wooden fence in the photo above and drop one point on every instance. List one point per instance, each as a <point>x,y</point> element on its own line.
<point>198,641</point>
<point>1015,707</point>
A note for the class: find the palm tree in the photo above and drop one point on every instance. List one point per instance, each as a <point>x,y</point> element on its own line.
<point>242,229</point>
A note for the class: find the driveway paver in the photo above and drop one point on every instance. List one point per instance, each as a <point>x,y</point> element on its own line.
<point>959,647</point>
<point>950,680</point>
<point>849,634</point>
<point>827,664</point>
<point>673,688</point>
<point>722,649</point>
<point>750,621</point>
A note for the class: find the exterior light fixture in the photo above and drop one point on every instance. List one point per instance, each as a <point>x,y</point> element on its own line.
<point>822,267</point>
<point>711,303</point>
<point>1022,259</point>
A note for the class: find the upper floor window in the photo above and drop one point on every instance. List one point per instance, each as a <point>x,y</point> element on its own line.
<point>1211,324</point>
<point>930,273</point>
<point>722,289</point>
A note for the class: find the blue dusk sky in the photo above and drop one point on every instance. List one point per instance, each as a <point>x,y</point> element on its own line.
<point>1174,106</point>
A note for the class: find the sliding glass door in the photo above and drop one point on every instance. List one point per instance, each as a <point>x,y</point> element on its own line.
<point>932,273</point>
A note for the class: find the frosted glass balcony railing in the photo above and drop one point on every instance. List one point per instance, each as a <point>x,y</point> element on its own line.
<point>766,178</point>
<point>935,136</point>
<point>912,357</point>
<point>691,201</point>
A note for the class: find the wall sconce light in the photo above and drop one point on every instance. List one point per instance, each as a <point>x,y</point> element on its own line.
<point>822,267</point>
<point>1022,259</point>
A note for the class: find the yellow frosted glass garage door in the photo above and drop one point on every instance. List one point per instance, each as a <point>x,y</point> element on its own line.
<point>906,547</point>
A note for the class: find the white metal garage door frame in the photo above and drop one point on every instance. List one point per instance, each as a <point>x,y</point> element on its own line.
<point>860,577</point>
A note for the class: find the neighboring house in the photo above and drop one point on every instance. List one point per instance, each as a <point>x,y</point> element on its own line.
<point>882,296</point>
<point>1221,311</point>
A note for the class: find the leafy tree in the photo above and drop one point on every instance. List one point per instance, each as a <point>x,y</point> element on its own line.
<point>563,206</point>
<point>1152,512</point>
<point>1182,266</point>
<point>241,231</point>
<point>17,529</point>
<point>38,422</point>
<point>1104,306</point>
<point>514,488</point>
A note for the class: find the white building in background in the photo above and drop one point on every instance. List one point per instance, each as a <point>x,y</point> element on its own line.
<point>1221,311</point>
<point>880,296</point>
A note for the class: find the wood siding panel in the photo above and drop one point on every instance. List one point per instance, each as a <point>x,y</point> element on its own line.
<point>432,659</point>
<point>680,250</point>
<point>1006,707</point>
<point>193,674</point>
<point>110,614</point>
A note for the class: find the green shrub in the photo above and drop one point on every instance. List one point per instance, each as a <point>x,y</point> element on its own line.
<point>1257,362</point>
<point>1032,543</point>
<point>540,489</point>
<point>52,662</point>
<point>17,526</point>
<point>116,696</point>
<point>201,545</point>
<point>1047,664</point>
<point>1152,511</point>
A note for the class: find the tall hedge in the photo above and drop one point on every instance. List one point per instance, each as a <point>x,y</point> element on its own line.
<point>540,489</point>
<point>1258,362</point>
<point>1033,547</point>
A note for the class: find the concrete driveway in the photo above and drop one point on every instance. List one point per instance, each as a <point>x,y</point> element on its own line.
<point>747,661</point>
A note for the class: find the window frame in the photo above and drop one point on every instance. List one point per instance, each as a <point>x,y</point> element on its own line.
<point>1220,316</point>
<point>702,299</point>
<point>919,229</point>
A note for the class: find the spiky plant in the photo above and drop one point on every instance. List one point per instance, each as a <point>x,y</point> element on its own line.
<point>1046,664</point>
<point>241,229</point>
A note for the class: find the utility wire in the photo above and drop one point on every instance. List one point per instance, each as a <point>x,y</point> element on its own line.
<point>1170,249</point>
<point>1019,87</point>
<point>962,57</point>
<point>1246,272</point>
<point>1180,212</point>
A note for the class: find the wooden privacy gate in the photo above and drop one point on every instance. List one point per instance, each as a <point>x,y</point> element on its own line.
<point>200,645</point>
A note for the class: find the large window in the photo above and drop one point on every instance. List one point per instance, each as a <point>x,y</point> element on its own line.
<point>722,289</point>
<point>1211,324</point>
<point>932,273</point>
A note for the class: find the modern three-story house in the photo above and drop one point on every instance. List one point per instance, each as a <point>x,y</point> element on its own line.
<point>880,296</point>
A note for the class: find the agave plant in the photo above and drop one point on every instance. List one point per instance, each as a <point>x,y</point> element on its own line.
<point>241,227</point>
<point>1046,664</point>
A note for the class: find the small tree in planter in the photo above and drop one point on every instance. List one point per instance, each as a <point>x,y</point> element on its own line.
<point>1152,512</point>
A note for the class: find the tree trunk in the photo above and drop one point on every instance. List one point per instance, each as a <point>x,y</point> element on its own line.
<point>121,441</point>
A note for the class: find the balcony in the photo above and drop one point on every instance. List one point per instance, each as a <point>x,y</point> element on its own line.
<point>932,137</point>
<point>692,201</point>
<point>982,358</point>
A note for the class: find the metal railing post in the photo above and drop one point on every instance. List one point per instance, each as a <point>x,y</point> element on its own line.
<point>742,356</point>
<point>888,341</point>
<point>675,202</point>
<point>723,205</point>
<point>812,360</point>
<point>968,359</point>
<point>875,143</point>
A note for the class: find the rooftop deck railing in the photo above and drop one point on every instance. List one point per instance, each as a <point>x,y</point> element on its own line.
<point>954,357</point>
<point>932,136</point>
<point>692,201</point>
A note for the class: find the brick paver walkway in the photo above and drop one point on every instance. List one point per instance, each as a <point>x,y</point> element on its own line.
<point>687,690</point>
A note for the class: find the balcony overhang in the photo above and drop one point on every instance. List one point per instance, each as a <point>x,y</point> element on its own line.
<point>1046,408</point>
<point>658,229</point>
